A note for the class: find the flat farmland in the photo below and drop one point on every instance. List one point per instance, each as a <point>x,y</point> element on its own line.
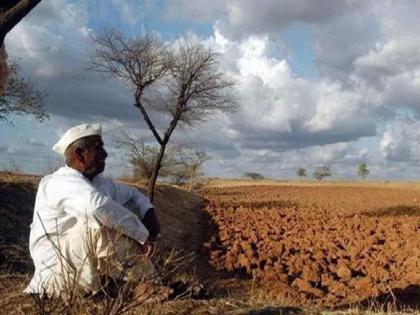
<point>327,245</point>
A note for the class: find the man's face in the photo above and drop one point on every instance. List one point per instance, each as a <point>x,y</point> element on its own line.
<point>94,157</point>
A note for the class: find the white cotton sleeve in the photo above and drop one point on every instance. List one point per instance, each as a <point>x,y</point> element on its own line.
<point>142,202</point>
<point>127,193</point>
<point>115,216</point>
<point>69,192</point>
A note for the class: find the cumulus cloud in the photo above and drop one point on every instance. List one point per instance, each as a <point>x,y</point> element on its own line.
<point>366,56</point>
<point>390,58</point>
<point>246,17</point>
<point>52,39</point>
<point>401,141</point>
<point>280,111</point>
<point>392,65</point>
<point>267,16</point>
<point>54,45</point>
<point>199,11</point>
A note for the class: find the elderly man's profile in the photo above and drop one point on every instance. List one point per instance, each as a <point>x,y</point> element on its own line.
<point>82,220</point>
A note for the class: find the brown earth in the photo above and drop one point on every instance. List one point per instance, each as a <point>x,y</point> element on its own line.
<point>304,245</point>
<point>328,246</point>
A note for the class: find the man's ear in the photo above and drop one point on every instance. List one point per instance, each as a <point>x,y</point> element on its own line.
<point>79,153</point>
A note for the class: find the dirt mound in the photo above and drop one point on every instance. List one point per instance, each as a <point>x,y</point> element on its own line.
<point>16,209</point>
<point>178,211</point>
<point>323,245</point>
<point>180,218</point>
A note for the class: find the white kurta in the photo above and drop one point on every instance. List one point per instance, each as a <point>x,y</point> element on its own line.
<point>66,198</point>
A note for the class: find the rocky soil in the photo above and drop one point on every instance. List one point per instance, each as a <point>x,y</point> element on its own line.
<point>324,245</point>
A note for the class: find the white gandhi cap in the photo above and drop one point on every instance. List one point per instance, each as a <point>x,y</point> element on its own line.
<point>77,132</point>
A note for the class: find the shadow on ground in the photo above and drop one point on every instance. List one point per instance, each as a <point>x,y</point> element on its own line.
<point>403,210</point>
<point>16,209</point>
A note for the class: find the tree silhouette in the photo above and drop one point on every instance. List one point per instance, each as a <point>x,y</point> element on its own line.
<point>183,81</point>
<point>322,172</point>
<point>301,172</point>
<point>362,170</point>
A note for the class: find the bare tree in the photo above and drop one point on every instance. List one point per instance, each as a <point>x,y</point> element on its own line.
<point>192,163</point>
<point>180,164</point>
<point>16,94</point>
<point>11,13</point>
<point>142,158</point>
<point>21,97</point>
<point>182,80</point>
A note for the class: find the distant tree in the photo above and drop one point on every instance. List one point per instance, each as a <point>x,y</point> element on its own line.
<point>142,158</point>
<point>192,163</point>
<point>21,97</point>
<point>180,164</point>
<point>183,81</point>
<point>254,176</point>
<point>301,172</point>
<point>362,170</point>
<point>321,172</point>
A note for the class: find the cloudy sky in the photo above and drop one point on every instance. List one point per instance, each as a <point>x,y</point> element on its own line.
<point>326,82</point>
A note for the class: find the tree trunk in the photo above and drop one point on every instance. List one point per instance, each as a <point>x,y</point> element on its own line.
<point>152,182</point>
<point>191,180</point>
<point>12,12</point>
<point>3,68</point>
<point>153,178</point>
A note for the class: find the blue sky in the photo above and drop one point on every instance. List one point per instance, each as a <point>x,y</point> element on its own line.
<point>298,37</point>
<point>328,82</point>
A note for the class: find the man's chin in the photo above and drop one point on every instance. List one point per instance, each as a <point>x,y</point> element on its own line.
<point>101,168</point>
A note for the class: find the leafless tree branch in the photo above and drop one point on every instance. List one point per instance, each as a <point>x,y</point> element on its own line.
<point>182,80</point>
<point>12,12</point>
<point>21,97</point>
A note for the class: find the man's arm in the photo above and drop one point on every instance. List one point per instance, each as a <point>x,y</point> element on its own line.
<point>147,214</point>
<point>152,224</point>
<point>115,216</point>
<point>80,199</point>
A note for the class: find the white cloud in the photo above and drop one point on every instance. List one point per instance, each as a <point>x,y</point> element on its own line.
<point>248,17</point>
<point>281,111</point>
<point>52,39</point>
<point>337,107</point>
<point>366,53</point>
<point>196,11</point>
<point>401,141</point>
<point>396,56</point>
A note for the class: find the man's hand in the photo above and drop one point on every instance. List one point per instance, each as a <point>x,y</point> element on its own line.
<point>151,222</point>
<point>149,248</point>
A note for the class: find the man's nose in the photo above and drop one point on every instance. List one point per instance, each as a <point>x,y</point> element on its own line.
<point>104,154</point>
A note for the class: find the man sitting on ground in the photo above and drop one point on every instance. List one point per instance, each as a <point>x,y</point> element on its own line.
<point>84,224</point>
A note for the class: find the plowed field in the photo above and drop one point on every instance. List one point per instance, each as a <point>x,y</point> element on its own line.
<point>323,245</point>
